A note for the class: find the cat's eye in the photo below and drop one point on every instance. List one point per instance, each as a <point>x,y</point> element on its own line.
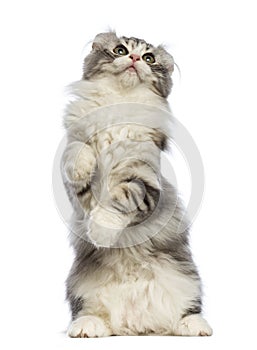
<point>120,50</point>
<point>148,58</point>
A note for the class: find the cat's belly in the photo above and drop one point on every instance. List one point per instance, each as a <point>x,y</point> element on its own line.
<point>141,302</point>
<point>136,307</point>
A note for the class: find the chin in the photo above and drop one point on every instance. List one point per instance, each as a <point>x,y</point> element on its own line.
<point>129,79</point>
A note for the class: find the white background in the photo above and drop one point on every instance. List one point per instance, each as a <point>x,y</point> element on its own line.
<point>42,45</point>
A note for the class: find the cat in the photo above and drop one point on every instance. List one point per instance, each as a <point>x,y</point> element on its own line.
<point>133,272</point>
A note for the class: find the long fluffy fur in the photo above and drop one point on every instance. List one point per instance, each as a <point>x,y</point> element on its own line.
<point>133,271</point>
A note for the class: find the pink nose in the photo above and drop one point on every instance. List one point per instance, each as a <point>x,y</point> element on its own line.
<point>134,57</point>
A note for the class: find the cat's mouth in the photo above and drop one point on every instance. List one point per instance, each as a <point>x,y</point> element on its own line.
<point>132,69</point>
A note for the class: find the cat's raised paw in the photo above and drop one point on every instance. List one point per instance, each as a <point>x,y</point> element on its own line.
<point>194,325</point>
<point>88,327</point>
<point>79,162</point>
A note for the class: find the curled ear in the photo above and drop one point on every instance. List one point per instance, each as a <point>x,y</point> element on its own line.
<point>103,39</point>
<point>170,66</point>
<point>167,59</point>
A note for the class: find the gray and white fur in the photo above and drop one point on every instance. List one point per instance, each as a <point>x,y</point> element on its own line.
<point>133,271</point>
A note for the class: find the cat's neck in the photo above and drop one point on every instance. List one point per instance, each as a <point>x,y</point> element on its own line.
<point>108,90</point>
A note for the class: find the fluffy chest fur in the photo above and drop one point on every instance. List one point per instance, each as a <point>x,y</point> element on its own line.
<point>90,96</point>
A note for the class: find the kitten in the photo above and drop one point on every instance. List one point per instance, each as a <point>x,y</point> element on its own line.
<point>133,271</point>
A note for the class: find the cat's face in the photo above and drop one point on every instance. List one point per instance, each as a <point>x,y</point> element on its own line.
<point>131,61</point>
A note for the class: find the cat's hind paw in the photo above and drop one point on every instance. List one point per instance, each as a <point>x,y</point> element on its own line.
<point>88,327</point>
<point>193,325</point>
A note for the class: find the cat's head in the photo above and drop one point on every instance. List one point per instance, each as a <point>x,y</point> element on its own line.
<point>131,61</point>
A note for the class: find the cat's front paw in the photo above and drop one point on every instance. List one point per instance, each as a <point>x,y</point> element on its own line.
<point>88,327</point>
<point>81,165</point>
<point>193,325</point>
<point>105,226</point>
